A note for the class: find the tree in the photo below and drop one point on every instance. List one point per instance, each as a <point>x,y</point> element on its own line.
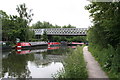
<point>14,26</point>
<point>26,18</point>
<point>106,19</point>
<point>5,19</point>
<point>24,13</point>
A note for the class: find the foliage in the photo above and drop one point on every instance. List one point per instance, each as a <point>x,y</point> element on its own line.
<point>70,38</point>
<point>24,13</point>
<point>44,25</point>
<point>14,26</point>
<point>104,35</point>
<point>26,17</point>
<point>106,19</point>
<point>74,66</point>
<point>69,26</point>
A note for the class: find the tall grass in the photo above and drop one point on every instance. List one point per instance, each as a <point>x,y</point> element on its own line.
<point>74,66</point>
<point>109,59</point>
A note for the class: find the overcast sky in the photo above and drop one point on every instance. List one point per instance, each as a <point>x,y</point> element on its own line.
<point>60,12</point>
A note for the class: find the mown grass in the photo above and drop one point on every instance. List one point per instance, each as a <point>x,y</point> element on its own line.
<point>109,59</point>
<point>74,66</point>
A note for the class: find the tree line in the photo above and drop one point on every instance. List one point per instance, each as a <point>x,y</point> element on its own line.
<point>104,35</point>
<point>45,24</point>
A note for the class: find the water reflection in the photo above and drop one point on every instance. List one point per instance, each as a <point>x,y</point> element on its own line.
<point>16,65</point>
<point>36,63</point>
<point>44,71</point>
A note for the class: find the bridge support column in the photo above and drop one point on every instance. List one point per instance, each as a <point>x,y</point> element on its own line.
<point>37,36</point>
<point>50,38</point>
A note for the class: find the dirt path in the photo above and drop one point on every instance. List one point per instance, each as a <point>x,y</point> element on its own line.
<point>94,70</point>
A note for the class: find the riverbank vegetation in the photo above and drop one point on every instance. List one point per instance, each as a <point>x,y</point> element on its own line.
<point>104,35</point>
<point>74,66</point>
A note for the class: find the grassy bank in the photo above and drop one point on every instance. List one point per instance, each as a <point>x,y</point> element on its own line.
<point>109,59</point>
<point>74,66</point>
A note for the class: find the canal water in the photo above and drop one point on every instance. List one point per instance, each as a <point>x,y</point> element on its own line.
<point>34,63</point>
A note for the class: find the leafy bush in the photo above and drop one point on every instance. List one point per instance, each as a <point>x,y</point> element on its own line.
<point>74,66</point>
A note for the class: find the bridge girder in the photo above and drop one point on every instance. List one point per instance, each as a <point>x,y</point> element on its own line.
<point>62,31</point>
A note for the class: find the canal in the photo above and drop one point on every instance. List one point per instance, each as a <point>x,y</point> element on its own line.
<point>40,62</point>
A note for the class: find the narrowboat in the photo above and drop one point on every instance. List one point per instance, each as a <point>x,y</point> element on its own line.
<point>29,45</point>
<point>53,44</point>
<point>74,44</point>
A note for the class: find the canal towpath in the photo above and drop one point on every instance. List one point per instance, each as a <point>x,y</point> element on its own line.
<point>93,67</point>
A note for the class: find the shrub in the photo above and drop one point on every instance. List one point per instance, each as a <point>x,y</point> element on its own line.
<point>74,66</point>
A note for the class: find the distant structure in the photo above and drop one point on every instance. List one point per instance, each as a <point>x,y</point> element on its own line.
<point>62,31</point>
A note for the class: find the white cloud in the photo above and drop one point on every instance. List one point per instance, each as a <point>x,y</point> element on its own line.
<point>60,12</point>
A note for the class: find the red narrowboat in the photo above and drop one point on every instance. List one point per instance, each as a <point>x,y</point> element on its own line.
<point>22,45</point>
